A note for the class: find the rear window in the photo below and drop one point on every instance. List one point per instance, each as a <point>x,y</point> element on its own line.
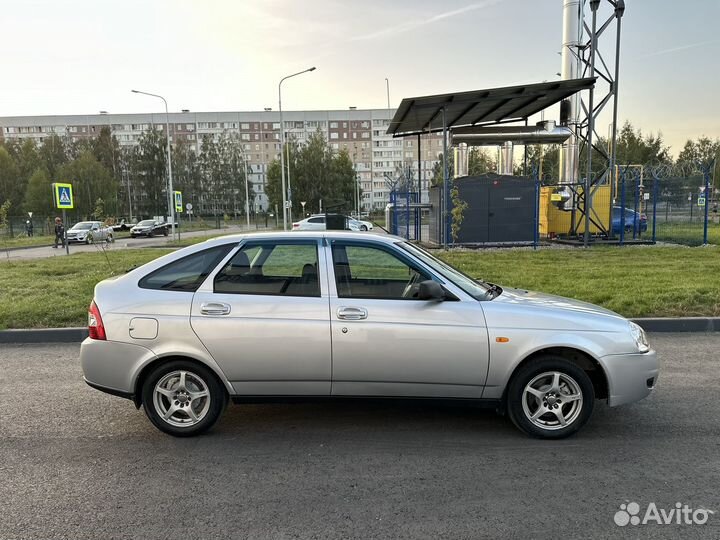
<point>188,273</point>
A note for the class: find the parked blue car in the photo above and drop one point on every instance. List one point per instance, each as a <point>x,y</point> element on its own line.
<point>633,221</point>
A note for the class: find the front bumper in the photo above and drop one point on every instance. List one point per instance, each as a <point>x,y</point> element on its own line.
<point>631,377</point>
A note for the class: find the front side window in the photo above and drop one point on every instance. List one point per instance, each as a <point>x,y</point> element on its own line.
<point>269,268</point>
<point>371,272</point>
<point>188,273</point>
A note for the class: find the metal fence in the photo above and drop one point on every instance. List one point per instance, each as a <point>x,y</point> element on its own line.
<point>638,204</point>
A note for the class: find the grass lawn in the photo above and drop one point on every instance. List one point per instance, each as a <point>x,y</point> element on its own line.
<point>25,241</point>
<point>642,281</point>
<point>56,292</point>
<point>690,234</point>
<point>634,281</point>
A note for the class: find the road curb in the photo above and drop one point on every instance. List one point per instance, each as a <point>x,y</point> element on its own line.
<point>76,335</point>
<point>680,324</point>
<point>44,335</point>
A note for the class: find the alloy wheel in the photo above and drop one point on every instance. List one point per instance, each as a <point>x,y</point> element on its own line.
<point>552,400</point>
<point>181,398</point>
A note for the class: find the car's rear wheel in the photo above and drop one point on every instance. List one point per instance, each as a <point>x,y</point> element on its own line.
<point>183,398</point>
<point>363,228</point>
<point>550,398</point>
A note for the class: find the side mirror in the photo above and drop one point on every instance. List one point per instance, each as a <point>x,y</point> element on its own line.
<point>430,290</point>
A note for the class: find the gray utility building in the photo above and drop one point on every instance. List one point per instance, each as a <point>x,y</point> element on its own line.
<point>501,209</point>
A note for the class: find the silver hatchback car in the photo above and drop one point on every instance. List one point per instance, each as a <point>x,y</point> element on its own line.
<point>264,317</point>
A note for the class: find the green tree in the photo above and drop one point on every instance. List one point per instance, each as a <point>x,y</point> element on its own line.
<point>317,173</point>
<point>148,174</point>
<point>11,187</point>
<point>90,180</point>
<point>99,212</point>
<point>38,195</point>
<point>53,154</point>
<point>438,178</point>
<point>480,162</point>
<point>635,148</point>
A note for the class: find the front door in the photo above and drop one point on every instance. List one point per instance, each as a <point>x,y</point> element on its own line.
<point>264,318</point>
<point>386,342</point>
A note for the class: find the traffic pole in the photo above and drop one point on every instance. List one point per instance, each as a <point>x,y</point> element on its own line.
<point>65,241</point>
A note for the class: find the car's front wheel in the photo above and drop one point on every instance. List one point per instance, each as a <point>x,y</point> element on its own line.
<point>183,398</point>
<point>550,398</point>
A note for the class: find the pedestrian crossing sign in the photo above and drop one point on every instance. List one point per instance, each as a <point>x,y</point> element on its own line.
<point>63,196</point>
<point>178,201</point>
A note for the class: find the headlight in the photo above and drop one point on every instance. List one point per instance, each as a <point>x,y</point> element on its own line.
<point>640,338</point>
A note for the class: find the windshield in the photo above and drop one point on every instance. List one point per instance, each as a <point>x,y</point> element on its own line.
<point>83,226</point>
<point>476,289</point>
<point>146,223</point>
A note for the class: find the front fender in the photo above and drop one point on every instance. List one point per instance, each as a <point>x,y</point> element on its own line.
<point>505,356</point>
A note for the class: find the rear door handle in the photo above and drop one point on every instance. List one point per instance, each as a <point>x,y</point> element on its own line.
<point>352,313</point>
<point>214,308</point>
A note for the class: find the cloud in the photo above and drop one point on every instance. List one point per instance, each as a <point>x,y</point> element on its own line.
<point>412,25</point>
<point>680,48</point>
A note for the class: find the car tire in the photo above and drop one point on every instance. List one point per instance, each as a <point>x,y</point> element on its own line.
<point>547,384</point>
<point>165,232</point>
<point>363,228</point>
<point>151,234</point>
<point>89,239</point>
<point>164,384</point>
<point>110,239</point>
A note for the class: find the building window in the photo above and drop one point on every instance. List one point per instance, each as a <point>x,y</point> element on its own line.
<point>244,126</point>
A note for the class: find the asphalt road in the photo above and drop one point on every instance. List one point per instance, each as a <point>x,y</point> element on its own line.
<point>121,243</point>
<point>76,463</point>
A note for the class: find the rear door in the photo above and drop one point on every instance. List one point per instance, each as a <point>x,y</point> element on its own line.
<point>264,317</point>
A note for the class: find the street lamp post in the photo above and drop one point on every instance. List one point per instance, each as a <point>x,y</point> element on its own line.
<point>171,194</point>
<point>285,189</point>
<point>247,192</point>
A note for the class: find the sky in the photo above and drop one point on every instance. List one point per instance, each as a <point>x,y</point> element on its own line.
<point>83,56</point>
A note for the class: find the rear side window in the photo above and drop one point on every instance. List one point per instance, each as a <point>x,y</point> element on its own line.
<point>275,269</point>
<point>188,273</point>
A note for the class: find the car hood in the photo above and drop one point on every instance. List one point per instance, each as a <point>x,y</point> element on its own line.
<point>530,309</point>
<point>543,300</point>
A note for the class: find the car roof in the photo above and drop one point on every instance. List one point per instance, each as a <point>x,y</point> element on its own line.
<point>302,235</point>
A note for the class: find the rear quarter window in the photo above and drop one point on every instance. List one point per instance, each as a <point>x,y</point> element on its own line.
<point>188,273</point>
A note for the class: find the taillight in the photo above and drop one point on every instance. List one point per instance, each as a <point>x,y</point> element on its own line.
<point>96,329</point>
<point>296,225</point>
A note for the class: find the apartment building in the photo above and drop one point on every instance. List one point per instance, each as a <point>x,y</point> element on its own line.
<point>379,159</point>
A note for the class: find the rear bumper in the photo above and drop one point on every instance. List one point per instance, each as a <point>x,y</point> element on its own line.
<point>112,366</point>
<point>631,377</point>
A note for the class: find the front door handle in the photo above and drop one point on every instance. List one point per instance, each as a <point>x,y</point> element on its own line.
<point>214,308</point>
<point>352,313</point>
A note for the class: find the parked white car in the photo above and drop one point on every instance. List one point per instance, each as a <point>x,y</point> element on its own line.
<point>317,223</point>
<point>87,232</point>
<point>364,225</point>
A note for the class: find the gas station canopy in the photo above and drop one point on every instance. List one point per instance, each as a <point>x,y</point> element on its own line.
<point>480,107</point>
